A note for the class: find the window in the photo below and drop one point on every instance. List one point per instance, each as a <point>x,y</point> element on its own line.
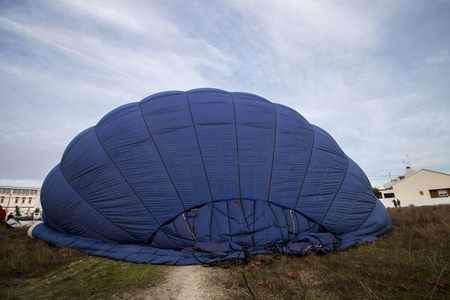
<point>29,200</point>
<point>443,193</point>
<point>17,200</point>
<point>3,198</point>
<point>421,193</point>
<point>389,195</point>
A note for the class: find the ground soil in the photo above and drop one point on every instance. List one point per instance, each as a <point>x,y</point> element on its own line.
<point>184,283</point>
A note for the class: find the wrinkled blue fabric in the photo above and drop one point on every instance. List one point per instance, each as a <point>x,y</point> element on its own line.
<point>206,175</point>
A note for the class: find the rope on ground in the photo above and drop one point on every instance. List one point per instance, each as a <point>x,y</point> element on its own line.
<point>246,261</point>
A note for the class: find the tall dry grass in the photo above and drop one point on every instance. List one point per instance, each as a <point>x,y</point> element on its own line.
<point>31,269</point>
<point>410,262</point>
<point>21,256</point>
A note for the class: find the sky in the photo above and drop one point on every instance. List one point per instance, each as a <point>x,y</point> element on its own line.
<point>374,74</point>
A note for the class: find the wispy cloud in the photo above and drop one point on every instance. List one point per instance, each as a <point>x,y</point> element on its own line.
<point>374,75</point>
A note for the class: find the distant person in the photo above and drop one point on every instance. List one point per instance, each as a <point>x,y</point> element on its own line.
<point>395,203</point>
<point>10,216</point>
<point>2,215</point>
<point>398,203</point>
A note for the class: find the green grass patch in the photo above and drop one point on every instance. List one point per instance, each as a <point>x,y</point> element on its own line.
<point>36,270</point>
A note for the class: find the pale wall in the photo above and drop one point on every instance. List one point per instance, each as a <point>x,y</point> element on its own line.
<point>9,201</point>
<point>422,180</point>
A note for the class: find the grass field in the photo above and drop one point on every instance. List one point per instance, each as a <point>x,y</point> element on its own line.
<point>410,262</point>
<point>35,270</point>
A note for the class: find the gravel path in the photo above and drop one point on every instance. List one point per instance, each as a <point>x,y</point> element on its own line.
<point>183,283</point>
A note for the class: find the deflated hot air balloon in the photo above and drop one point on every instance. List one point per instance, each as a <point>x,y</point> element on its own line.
<point>206,175</point>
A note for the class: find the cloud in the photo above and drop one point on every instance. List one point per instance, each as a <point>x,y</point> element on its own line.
<point>374,75</point>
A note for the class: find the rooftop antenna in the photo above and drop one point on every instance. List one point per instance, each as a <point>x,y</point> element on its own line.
<point>409,162</point>
<point>390,177</point>
<point>404,164</point>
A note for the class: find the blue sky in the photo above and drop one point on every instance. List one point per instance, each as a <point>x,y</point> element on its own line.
<point>374,74</point>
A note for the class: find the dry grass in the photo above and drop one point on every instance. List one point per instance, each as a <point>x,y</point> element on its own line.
<point>25,257</point>
<point>410,262</point>
<point>36,270</point>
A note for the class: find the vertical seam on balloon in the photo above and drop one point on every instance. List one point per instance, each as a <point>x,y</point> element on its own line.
<point>344,216</point>
<point>203,162</point>
<point>177,233</point>
<point>273,151</point>
<point>212,202</point>
<point>211,221</point>
<point>287,223</point>
<point>246,221</point>
<point>120,172</point>
<point>162,161</point>
<point>254,213</point>
<point>271,173</point>
<point>229,223</point>
<point>238,166</point>
<point>129,185</point>
<point>368,215</point>
<point>237,146</point>
<point>240,217</point>
<point>193,226</point>
<point>293,223</point>
<point>337,192</point>
<point>160,156</point>
<point>199,148</point>
<point>278,223</point>
<point>121,229</point>
<point>298,223</point>
<point>307,168</point>
<point>194,238</point>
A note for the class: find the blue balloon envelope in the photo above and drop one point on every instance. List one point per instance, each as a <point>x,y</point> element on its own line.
<point>206,175</point>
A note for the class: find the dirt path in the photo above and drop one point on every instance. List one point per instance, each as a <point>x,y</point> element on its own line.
<point>187,283</point>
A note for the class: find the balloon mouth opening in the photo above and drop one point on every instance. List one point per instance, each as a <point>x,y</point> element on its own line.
<point>245,223</point>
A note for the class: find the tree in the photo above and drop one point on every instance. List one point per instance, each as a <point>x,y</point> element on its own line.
<point>376,192</point>
<point>18,211</point>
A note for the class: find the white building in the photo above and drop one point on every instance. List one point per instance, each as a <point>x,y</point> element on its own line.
<point>415,186</point>
<point>26,199</point>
